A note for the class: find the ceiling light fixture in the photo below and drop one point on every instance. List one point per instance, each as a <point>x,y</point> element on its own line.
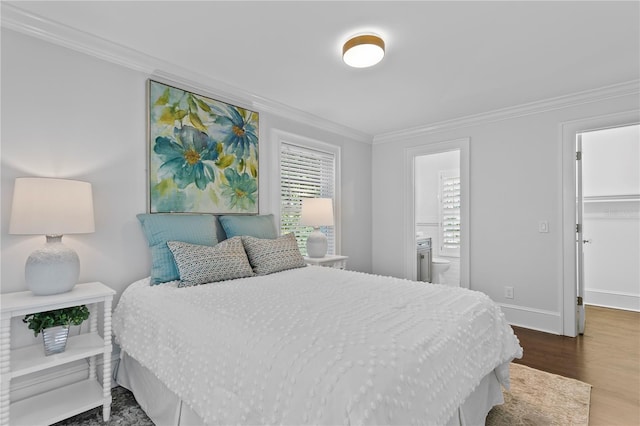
<point>363,51</point>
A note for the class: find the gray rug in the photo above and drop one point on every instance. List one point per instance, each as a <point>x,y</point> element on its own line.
<point>536,398</point>
<point>124,411</point>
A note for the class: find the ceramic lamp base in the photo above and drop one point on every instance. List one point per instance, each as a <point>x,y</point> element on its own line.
<point>316,243</point>
<point>54,268</point>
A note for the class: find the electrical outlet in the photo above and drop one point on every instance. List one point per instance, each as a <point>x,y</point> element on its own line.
<point>508,292</point>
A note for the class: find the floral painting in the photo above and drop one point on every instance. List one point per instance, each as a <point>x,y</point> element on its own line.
<point>203,154</point>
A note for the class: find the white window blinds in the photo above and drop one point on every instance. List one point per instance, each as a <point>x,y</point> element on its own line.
<point>450,213</point>
<point>304,173</point>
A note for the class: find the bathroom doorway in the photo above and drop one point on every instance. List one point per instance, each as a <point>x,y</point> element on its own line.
<point>437,212</point>
<point>450,241</point>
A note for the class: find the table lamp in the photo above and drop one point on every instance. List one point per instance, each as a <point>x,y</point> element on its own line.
<point>317,212</point>
<point>51,207</point>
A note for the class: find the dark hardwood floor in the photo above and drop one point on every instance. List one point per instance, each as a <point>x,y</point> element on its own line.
<point>607,357</point>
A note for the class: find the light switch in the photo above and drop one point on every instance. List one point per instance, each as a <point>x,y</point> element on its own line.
<point>543,226</point>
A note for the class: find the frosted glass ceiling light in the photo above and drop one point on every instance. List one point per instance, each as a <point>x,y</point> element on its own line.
<point>363,51</point>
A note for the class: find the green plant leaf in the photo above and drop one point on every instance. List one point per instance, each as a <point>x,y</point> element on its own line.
<point>164,98</point>
<point>197,123</point>
<point>167,116</point>
<point>202,104</point>
<point>192,104</point>
<point>225,161</point>
<point>180,114</point>
<point>73,315</point>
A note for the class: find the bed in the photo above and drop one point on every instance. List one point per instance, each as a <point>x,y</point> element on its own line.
<point>286,343</point>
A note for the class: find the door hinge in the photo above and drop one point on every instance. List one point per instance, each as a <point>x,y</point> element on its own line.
<point>578,227</point>
<point>579,300</point>
<point>578,155</point>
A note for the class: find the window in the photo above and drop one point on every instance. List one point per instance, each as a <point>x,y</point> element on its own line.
<point>450,213</point>
<point>307,172</point>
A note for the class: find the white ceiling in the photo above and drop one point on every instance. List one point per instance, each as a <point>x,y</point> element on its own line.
<point>444,60</point>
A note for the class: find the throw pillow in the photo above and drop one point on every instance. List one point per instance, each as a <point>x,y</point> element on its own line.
<point>199,264</point>
<point>268,256</point>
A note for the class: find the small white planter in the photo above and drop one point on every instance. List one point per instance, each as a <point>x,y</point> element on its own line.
<point>55,339</point>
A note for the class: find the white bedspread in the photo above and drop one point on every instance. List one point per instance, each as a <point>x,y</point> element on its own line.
<point>316,346</point>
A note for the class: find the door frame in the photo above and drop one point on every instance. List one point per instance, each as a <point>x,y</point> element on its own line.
<point>568,132</point>
<point>409,202</point>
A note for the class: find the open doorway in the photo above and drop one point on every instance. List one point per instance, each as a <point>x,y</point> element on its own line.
<point>437,213</point>
<point>459,239</point>
<point>572,236</point>
<point>611,217</point>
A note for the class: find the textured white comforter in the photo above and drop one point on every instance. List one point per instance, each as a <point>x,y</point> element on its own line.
<point>316,346</point>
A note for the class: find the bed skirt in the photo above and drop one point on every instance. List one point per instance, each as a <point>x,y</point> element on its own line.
<point>166,409</point>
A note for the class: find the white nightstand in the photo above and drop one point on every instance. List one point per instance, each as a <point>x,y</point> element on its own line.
<point>330,260</point>
<point>58,404</point>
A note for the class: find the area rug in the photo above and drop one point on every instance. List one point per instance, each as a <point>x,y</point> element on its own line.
<point>540,398</point>
<point>536,398</point>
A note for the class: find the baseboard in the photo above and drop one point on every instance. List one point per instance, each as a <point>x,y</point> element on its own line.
<point>612,299</point>
<point>53,378</point>
<point>534,319</point>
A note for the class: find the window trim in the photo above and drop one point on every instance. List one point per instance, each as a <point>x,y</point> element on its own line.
<point>280,136</point>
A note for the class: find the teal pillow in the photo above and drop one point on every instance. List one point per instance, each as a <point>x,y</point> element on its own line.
<point>160,228</point>
<point>262,226</point>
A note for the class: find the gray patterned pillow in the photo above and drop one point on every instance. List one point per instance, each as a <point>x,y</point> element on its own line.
<point>269,256</point>
<point>206,264</point>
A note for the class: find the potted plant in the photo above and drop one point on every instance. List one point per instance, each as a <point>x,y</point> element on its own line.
<point>55,326</point>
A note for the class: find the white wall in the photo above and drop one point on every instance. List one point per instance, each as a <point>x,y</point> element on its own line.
<point>611,160</point>
<point>427,168</point>
<point>515,181</point>
<point>67,114</point>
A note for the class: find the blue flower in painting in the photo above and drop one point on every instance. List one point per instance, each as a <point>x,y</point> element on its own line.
<point>241,130</point>
<point>185,157</point>
<point>240,191</point>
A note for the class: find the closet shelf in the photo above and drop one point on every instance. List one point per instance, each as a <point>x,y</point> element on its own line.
<point>611,198</point>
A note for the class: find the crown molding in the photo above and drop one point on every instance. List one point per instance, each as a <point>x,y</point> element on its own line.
<point>18,20</point>
<point>53,32</point>
<point>313,120</point>
<point>537,107</point>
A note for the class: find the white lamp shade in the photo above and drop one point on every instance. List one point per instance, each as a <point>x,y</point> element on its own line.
<point>48,206</point>
<point>317,212</point>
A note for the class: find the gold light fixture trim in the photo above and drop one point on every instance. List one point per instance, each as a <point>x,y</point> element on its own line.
<point>363,50</point>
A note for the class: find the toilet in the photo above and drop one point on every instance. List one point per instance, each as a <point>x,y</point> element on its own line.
<point>438,267</point>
